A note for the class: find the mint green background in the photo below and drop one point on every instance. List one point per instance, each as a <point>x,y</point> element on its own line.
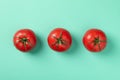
<point>42,16</point>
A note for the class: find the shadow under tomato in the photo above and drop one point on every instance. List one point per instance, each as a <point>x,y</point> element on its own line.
<point>38,47</point>
<point>110,48</point>
<point>74,47</point>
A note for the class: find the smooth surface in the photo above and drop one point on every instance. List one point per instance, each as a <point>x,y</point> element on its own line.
<point>42,16</point>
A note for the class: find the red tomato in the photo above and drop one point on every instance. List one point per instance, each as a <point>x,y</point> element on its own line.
<point>95,40</point>
<point>24,40</point>
<point>59,40</point>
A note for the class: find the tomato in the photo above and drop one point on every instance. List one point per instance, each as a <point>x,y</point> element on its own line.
<point>59,40</point>
<point>95,40</point>
<point>24,40</point>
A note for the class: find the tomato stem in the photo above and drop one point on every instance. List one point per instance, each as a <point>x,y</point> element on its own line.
<point>24,40</point>
<point>59,41</point>
<point>96,41</point>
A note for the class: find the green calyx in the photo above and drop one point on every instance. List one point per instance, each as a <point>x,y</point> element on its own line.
<point>59,41</point>
<point>96,41</point>
<point>24,40</point>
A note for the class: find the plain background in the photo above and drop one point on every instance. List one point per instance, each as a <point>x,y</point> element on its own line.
<point>42,16</point>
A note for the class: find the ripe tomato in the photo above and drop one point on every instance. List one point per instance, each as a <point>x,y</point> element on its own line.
<point>95,40</point>
<point>24,40</point>
<point>59,40</point>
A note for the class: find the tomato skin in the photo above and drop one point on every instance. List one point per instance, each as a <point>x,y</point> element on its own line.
<point>59,40</point>
<point>25,40</point>
<point>95,40</point>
